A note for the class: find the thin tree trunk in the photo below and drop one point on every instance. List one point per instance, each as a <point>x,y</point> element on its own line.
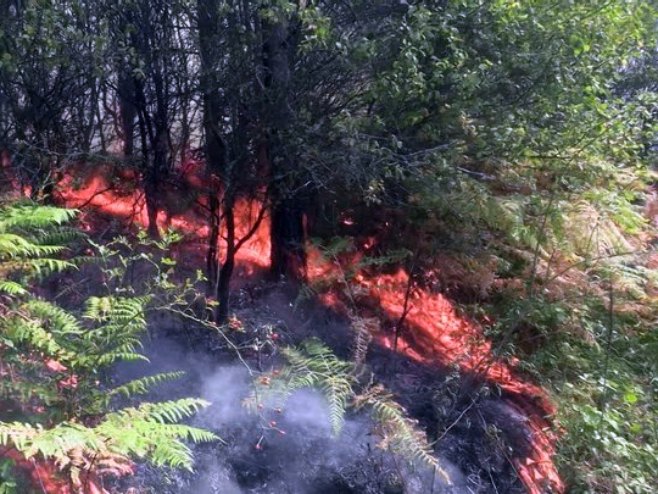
<point>288,256</point>
<point>150,193</point>
<point>127,111</point>
<point>225,274</point>
<point>212,256</point>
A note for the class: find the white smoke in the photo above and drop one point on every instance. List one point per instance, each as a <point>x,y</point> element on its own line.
<point>291,451</point>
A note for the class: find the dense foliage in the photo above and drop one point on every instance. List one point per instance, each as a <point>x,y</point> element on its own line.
<point>507,148</point>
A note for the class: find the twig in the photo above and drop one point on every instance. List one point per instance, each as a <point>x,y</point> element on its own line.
<point>458,419</point>
<point>36,469</point>
<point>405,308</point>
<point>253,229</point>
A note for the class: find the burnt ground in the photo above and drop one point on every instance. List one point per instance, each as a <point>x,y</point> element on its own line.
<point>488,421</point>
<point>480,435</point>
<point>477,432</point>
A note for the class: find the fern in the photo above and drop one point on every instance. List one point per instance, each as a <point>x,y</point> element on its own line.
<point>149,431</point>
<point>63,235</point>
<point>144,384</point>
<point>33,216</point>
<point>313,365</point>
<point>55,318</point>
<point>144,432</point>
<point>12,288</point>
<point>30,237</point>
<point>13,245</point>
<point>363,328</point>
<point>400,433</point>
<point>56,357</point>
<point>29,332</point>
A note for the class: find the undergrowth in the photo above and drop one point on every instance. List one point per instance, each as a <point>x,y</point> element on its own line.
<point>573,301</point>
<point>555,256</point>
<point>57,406</point>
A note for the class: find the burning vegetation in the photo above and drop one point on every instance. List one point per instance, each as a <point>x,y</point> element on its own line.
<point>403,317</point>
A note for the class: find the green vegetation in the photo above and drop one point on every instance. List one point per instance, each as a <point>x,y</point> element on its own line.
<point>55,361</point>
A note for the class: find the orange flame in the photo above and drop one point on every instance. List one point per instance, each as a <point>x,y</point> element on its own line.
<point>112,194</point>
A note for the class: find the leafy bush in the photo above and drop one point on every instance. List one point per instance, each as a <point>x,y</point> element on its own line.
<point>600,362</point>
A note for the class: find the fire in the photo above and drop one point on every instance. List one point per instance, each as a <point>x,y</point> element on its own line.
<point>98,196</point>
<point>256,251</point>
<point>434,332</point>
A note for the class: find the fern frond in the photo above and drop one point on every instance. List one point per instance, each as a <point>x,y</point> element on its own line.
<point>314,365</point>
<point>119,321</point>
<point>150,430</point>
<point>41,340</point>
<point>591,232</point>
<point>119,311</point>
<point>56,319</point>
<point>32,215</point>
<point>45,266</point>
<point>12,288</point>
<point>31,332</point>
<point>364,328</point>
<point>164,412</point>
<point>13,245</point>
<point>399,433</point>
<point>52,443</point>
<point>112,357</point>
<point>60,236</point>
<point>145,431</point>
<point>144,384</point>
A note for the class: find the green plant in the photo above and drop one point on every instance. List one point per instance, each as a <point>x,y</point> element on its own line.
<point>313,365</point>
<point>57,404</point>
<point>598,359</point>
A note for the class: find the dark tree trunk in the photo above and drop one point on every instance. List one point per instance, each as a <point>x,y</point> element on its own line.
<point>127,111</point>
<point>215,148</point>
<point>287,231</point>
<point>155,175</point>
<point>212,256</point>
<point>49,192</point>
<point>150,178</point>
<point>151,195</point>
<point>288,256</point>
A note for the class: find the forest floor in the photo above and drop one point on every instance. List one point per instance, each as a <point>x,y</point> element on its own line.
<point>490,424</point>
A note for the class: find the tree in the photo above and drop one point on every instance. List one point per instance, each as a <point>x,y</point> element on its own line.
<point>151,46</point>
<point>48,92</point>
